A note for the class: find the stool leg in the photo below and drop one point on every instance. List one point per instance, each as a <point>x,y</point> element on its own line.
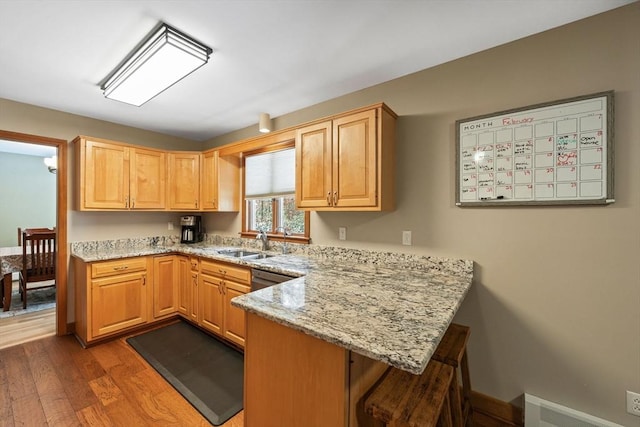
<point>466,390</point>
<point>457,417</point>
<point>445,419</point>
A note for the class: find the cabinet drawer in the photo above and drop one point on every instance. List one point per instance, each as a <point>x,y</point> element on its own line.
<point>119,266</point>
<point>230,271</point>
<point>237,287</point>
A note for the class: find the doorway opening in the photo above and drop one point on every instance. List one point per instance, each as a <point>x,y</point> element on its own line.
<point>60,221</point>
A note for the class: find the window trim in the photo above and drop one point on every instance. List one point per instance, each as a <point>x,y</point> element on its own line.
<point>278,236</point>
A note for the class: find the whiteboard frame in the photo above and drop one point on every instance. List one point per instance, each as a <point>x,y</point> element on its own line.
<point>608,97</point>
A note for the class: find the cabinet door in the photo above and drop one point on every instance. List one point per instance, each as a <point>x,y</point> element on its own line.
<point>184,181</point>
<point>229,183</point>
<point>354,171</point>
<point>148,179</point>
<point>165,289</point>
<point>209,197</point>
<point>184,285</point>
<point>220,182</point>
<point>105,176</point>
<point>118,302</point>
<point>211,303</point>
<point>195,298</point>
<point>193,274</point>
<point>313,166</point>
<point>234,317</point>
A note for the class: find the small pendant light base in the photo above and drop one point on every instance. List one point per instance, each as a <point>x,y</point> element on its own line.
<point>264,124</point>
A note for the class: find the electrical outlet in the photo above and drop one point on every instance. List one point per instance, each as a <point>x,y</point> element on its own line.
<point>633,403</point>
<point>170,226</point>
<point>342,233</point>
<point>406,238</point>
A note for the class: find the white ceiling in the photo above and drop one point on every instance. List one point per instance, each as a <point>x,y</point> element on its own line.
<point>273,56</point>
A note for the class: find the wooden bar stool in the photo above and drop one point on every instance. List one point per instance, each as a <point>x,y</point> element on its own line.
<point>402,399</point>
<point>452,351</point>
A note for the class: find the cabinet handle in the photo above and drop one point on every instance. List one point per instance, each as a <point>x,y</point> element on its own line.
<point>329,198</point>
<point>223,272</point>
<point>144,280</point>
<point>123,267</point>
<point>126,202</point>
<point>196,203</point>
<point>133,203</point>
<point>335,198</point>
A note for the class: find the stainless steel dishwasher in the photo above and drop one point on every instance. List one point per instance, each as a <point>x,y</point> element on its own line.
<point>261,279</point>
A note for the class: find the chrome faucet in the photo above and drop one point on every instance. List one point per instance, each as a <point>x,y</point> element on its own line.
<point>262,235</point>
<point>285,233</point>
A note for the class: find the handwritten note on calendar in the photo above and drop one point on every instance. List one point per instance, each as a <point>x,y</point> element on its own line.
<point>559,152</point>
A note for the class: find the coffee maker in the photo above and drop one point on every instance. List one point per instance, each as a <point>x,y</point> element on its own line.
<point>191,229</point>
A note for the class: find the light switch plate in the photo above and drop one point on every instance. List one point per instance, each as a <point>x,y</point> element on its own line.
<point>406,238</point>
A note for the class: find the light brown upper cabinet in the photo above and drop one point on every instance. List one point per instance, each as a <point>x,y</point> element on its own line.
<point>347,162</point>
<point>220,182</point>
<point>118,176</point>
<point>184,180</point>
<point>112,175</point>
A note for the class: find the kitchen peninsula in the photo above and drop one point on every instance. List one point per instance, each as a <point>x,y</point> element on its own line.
<point>316,343</point>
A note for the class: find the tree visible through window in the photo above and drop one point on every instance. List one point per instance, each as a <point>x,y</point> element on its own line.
<point>270,194</point>
<point>270,214</point>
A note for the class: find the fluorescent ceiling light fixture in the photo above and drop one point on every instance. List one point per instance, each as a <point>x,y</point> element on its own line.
<point>163,59</point>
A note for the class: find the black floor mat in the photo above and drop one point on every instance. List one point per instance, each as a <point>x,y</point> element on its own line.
<point>206,372</point>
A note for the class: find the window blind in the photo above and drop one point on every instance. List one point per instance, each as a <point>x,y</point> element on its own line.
<point>270,174</point>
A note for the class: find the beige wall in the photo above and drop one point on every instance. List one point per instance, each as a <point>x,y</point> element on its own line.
<point>24,118</point>
<point>555,306</point>
<point>84,226</point>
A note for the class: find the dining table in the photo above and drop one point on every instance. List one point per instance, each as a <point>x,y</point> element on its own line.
<point>10,262</point>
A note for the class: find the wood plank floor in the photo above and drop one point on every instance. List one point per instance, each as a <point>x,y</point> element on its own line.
<point>53,381</point>
<point>27,327</point>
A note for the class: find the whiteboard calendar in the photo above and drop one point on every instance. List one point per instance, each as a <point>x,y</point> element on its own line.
<point>554,153</point>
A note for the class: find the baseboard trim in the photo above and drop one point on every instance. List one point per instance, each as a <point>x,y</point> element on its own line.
<point>491,411</point>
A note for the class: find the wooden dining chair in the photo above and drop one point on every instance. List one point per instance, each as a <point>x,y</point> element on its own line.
<point>38,260</point>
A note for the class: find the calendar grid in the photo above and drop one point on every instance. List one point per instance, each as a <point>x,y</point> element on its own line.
<point>554,153</point>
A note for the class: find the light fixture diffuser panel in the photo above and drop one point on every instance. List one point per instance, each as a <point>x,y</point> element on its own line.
<point>166,67</point>
<point>160,63</point>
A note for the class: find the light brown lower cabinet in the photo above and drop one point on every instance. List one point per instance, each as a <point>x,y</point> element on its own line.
<point>210,314</point>
<point>185,285</point>
<point>234,318</point>
<point>294,379</point>
<point>165,285</point>
<point>117,295</point>
<point>110,296</point>
<point>219,283</point>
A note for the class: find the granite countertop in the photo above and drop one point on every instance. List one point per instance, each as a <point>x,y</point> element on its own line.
<point>396,316</point>
<point>386,306</point>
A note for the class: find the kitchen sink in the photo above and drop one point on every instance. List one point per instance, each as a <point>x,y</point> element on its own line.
<point>238,253</point>
<point>258,256</point>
